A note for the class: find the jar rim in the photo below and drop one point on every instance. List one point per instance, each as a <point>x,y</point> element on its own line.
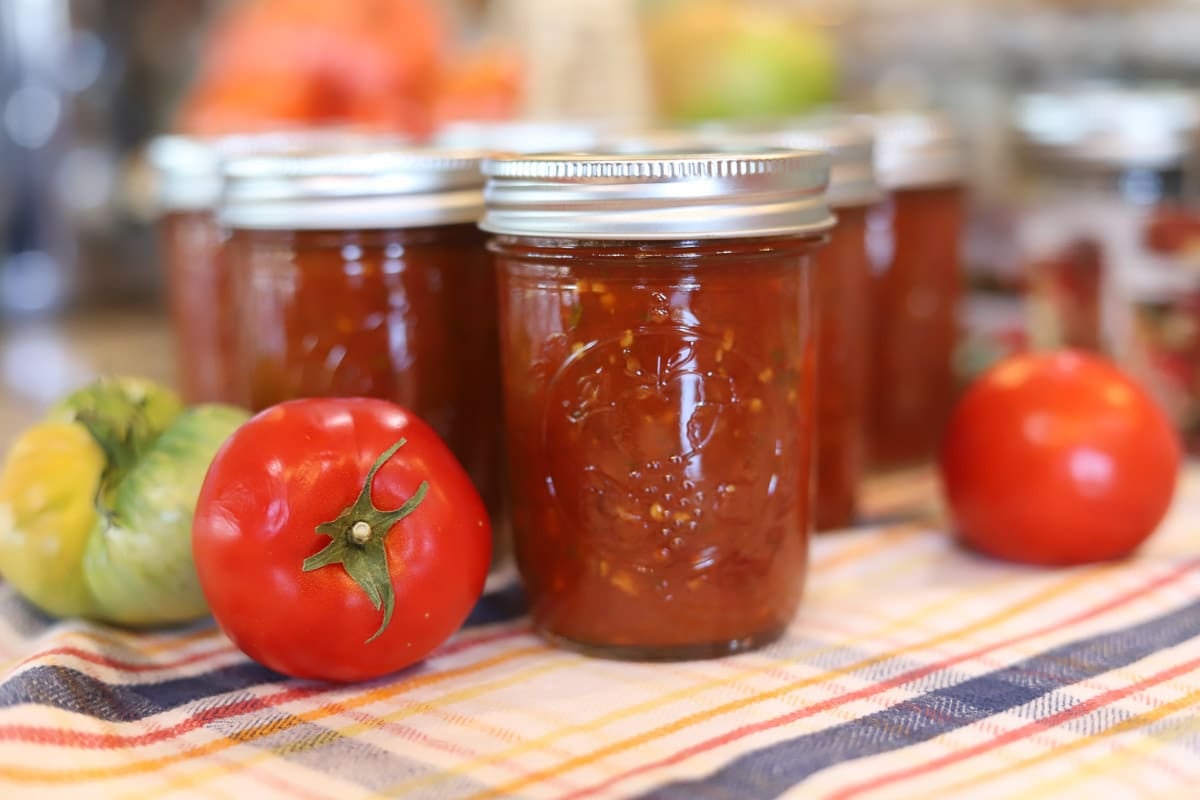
<point>916,150</point>
<point>689,194</point>
<point>188,169</point>
<point>1107,128</point>
<point>848,138</point>
<point>353,186</point>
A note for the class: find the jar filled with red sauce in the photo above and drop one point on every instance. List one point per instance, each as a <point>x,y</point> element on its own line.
<point>199,299</point>
<point>362,273</point>
<point>1160,345</point>
<point>843,285</point>
<point>915,241</point>
<point>188,182</point>
<point>658,341</point>
<point>1102,175</point>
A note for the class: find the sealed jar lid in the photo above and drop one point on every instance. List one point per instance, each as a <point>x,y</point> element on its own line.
<point>188,168</point>
<point>352,188</point>
<point>915,150</point>
<point>520,136</point>
<point>1159,282</point>
<point>187,172</point>
<point>661,196</point>
<point>1108,128</point>
<point>849,140</point>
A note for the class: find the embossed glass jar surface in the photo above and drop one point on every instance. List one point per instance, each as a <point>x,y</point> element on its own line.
<point>659,398</point>
<point>360,295</point>
<point>661,423</point>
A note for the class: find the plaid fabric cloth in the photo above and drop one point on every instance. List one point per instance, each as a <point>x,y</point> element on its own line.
<point>914,670</point>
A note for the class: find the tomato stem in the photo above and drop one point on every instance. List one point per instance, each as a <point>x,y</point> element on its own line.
<point>357,546</point>
<point>121,436</point>
<point>360,532</point>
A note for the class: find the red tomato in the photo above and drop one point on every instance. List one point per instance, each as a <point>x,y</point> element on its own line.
<point>317,565</point>
<point>1058,458</point>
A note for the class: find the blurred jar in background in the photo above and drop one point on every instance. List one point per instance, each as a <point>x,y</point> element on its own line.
<point>843,286</point>
<point>188,178</point>
<point>1161,344</point>
<point>843,283</point>
<point>199,297</point>
<point>915,239</point>
<point>361,272</point>
<point>1095,166</point>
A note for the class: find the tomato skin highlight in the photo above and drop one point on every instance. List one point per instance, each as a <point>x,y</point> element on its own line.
<point>1058,459</point>
<point>298,465</point>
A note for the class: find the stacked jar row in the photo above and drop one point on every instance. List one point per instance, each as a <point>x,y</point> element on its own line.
<point>675,347</point>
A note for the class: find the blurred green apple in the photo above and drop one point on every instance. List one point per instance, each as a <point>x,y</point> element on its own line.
<point>714,59</point>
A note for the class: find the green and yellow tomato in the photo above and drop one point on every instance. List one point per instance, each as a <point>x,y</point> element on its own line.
<point>96,504</point>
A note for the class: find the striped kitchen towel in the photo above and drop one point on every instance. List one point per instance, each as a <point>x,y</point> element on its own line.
<point>915,669</point>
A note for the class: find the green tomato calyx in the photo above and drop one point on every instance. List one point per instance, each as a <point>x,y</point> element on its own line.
<point>120,421</point>
<point>358,543</point>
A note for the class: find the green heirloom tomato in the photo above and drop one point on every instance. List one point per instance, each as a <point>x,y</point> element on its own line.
<point>96,504</point>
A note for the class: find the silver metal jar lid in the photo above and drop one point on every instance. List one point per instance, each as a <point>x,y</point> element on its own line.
<point>187,172</point>
<point>914,150</point>
<point>188,168</point>
<point>707,195</point>
<point>352,189</point>
<point>849,140</point>
<point>1158,281</point>
<point>1108,128</point>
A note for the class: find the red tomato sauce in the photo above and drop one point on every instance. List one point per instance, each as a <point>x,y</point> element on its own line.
<point>660,406</point>
<point>843,284</point>
<point>198,300</point>
<point>915,326</point>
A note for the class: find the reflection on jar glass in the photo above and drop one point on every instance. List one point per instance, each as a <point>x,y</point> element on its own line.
<point>659,397</point>
<point>362,274</point>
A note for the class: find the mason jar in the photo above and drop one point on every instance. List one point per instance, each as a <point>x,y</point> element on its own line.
<point>1098,170</point>
<point>658,340</point>
<point>361,272</point>
<point>843,282</point>
<point>188,183</point>
<point>915,237</point>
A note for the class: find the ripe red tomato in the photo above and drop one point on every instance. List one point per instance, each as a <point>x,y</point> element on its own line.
<point>1058,458</point>
<point>327,549</point>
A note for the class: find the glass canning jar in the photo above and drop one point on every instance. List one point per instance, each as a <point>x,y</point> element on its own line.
<point>188,183</point>
<point>361,272</point>
<point>843,286</point>
<point>917,286</point>
<point>1097,169</point>
<point>658,347</point>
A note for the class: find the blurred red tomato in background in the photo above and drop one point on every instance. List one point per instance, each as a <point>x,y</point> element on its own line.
<point>1058,458</point>
<point>384,65</point>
